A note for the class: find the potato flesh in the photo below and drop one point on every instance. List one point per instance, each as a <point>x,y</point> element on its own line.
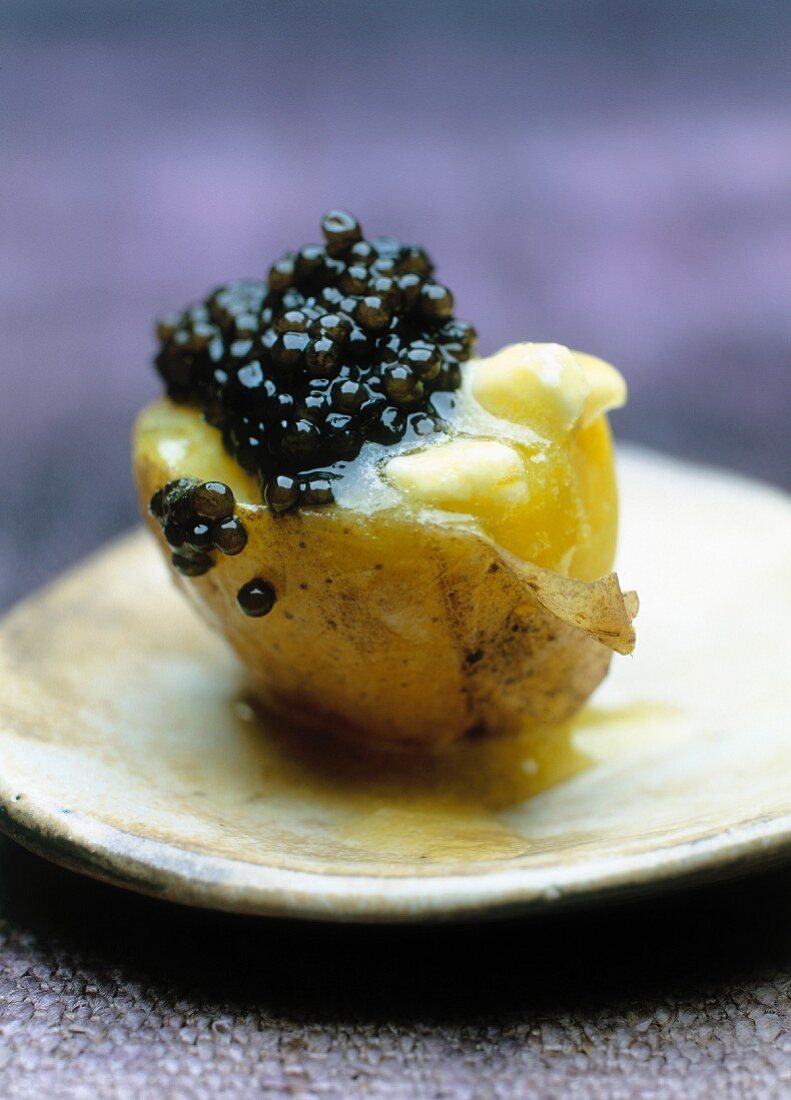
<point>534,468</point>
<point>407,629</point>
<point>556,507</point>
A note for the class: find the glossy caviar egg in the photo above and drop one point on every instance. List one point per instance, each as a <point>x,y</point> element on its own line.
<point>256,598</point>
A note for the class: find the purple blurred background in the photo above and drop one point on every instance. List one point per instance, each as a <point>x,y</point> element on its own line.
<point>610,174</point>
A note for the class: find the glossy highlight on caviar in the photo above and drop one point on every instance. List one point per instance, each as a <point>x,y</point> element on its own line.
<point>345,343</point>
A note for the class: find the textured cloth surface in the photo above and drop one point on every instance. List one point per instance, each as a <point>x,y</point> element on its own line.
<point>108,995</point>
<point>609,174</point>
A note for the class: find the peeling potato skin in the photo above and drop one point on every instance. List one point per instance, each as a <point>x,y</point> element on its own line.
<point>398,633</point>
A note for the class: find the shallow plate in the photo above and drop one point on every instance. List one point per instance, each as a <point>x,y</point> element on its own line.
<point>130,749</point>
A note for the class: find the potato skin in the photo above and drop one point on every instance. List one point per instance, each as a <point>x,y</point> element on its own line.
<point>393,631</point>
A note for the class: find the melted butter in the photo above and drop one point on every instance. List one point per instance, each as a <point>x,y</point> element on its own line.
<point>612,733</point>
<point>448,807</point>
<point>400,806</point>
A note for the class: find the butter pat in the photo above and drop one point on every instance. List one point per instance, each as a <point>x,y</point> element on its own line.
<point>539,385</point>
<point>460,475</point>
<point>546,387</point>
<point>607,387</point>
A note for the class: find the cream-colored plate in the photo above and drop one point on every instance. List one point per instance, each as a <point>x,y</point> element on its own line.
<point>130,749</point>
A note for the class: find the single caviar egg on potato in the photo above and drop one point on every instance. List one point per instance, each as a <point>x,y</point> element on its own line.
<point>402,542</point>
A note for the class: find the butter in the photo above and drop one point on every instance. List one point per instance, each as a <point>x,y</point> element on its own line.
<point>607,387</point>
<point>461,475</point>
<point>546,387</point>
<point>539,385</point>
<point>527,457</point>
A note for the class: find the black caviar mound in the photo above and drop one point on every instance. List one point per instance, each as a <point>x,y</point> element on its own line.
<point>198,518</point>
<point>346,343</point>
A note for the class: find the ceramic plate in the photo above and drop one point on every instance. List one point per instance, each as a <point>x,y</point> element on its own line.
<point>131,750</point>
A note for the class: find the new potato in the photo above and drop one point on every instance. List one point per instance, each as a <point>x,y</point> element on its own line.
<point>429,619</point>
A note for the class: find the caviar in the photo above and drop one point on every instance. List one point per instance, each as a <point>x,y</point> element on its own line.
<point>256,598</point>
<point>197,518</point>
<point>345,343</point>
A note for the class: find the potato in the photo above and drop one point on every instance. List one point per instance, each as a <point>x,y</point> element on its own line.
<point>415,624</point>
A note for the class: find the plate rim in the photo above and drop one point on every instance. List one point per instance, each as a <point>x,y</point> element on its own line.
<point>175,873</point>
